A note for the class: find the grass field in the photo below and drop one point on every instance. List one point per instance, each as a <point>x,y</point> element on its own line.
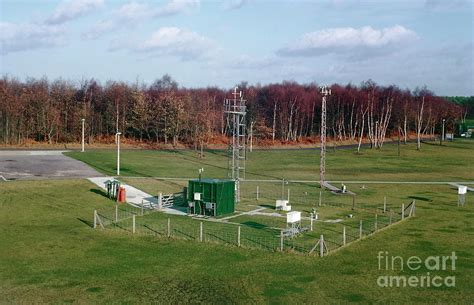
<point>49,253</point>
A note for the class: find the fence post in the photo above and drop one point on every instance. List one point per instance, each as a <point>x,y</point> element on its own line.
<point>320,194</point>
<point>321,246</point>
<point>142,207</point>
<point>238,236</point>
<point>311,219</point>
<point>257,192</point>
<point>200,231</point>
<point>384,204</point>
<point>344,235</point>
<point>288,194</point>
<point>390,218</point>
<point>376,224</point>
<point>353,201</point>
<point>133,223</point>
<point>360,229</point>
<point>116,213</point>
<point>169,227</point>
<point>414,207</point>
<point>403,211</point>
<point>160,200</point>
<point>281,241</point>
<point>95,219</point>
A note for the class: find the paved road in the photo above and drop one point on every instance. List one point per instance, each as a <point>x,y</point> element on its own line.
<point>29,165</point>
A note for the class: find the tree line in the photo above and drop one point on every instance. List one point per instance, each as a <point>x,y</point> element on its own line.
<point>163,112</point>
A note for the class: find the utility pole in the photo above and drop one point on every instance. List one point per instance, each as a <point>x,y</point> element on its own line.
<point>325,91</point>
<point>82,120</point>
<point>117,136</point>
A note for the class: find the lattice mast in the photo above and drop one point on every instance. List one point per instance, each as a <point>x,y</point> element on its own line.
<point>325,91</point>
<point>235,111</point>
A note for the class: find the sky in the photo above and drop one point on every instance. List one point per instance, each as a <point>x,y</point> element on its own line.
<point>200,43</point>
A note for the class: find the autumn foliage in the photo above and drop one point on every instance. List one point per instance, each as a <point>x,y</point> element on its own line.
<point>163,112</point>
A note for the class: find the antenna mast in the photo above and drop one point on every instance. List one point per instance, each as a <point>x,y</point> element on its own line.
<point>325,91</point>
<point>235,111</point>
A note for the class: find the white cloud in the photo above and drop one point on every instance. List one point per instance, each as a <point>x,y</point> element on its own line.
<point>72,9</point>
<point>133,12</point>
<point>365,41</point>
<point>21,37</point>
<point>174,41</point>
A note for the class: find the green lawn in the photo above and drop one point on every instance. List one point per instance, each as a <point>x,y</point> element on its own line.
<point>453,161</point>
<point>50,254</point>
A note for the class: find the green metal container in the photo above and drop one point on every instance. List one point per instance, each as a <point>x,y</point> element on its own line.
<point>211,197</point>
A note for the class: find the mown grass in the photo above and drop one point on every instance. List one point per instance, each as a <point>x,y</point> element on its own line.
<point>452,162</point>
<point>49,252</point>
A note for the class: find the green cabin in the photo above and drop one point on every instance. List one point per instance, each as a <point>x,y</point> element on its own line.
<point>211,197</point>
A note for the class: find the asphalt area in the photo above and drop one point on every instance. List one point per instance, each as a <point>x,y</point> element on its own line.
<point>29,165</point>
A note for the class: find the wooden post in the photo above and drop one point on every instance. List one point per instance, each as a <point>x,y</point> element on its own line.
<point>360,229</point>
<point>238,236</point>
<point>116,213</point>
<point>403,211</point>
<point>390,218</point>
<point>169,227</point>
<point>200,231</point>
<point>376,224</point>
<point>95,219</point>
<point>133,223</point>
<point>384,204</point>
<point>344,235</point>
<point>257,192</point>
<point>281,241</point>
<point>320,194</point>
<point>321,246</point>
<point>311,219</point>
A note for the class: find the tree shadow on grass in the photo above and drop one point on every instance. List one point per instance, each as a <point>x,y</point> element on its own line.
<point>420,198</point>
<point>254,224</point>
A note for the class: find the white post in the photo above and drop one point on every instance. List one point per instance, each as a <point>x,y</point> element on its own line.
<point>169,227</point>
<point>344,235</point>
<point>257,192</point>
<point>160,200</point>
<point>82,120</point>
<point>384,204</point>
<point>321,246</point>
<point>376,225</point>
<point>118,153</point>
<point>95,219</point>
<point>403,211</point>
<point>281,241</point>
<point>311,219</point>
<point>200,231</point>
<point>414,207</point>
<point>133,223</point>
<point>320,194</point>
<point>116,213</point>
<point>238,236</point>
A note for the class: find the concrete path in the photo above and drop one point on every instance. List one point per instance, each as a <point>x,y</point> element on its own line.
<point>336,190</point>
<point>136,197</point>
<point>41,164</point>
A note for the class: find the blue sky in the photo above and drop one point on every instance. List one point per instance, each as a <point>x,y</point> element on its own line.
<point>206,43</point>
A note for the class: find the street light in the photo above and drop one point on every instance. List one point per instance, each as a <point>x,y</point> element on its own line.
<point>82,120</point>
<point>117,135</point>
<point>442,133</point>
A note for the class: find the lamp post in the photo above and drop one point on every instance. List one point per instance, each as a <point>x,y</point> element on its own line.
<point>442,133</point>
<point>117,135</point>
<point>82,120</point>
